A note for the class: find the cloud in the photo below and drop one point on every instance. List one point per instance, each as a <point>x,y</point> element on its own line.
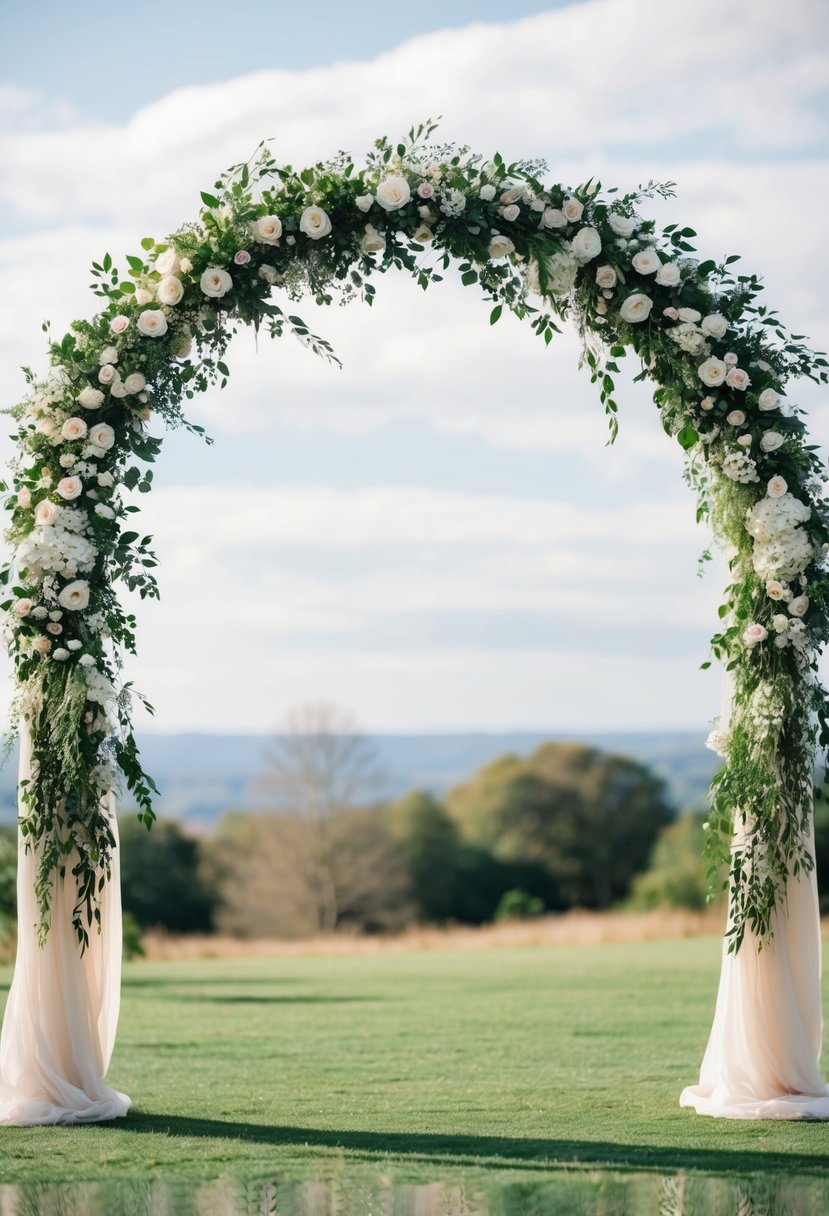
<point>417,603</point>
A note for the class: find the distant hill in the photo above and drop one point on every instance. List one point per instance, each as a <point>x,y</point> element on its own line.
<point>200,775</point>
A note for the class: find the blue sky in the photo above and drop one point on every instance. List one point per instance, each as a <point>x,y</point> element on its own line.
<point>435,537</point>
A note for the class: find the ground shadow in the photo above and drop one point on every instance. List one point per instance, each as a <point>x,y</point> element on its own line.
<point>250,999</point>
<point>503,1150</point>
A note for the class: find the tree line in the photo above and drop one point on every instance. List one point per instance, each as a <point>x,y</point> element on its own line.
<point>568,826</point>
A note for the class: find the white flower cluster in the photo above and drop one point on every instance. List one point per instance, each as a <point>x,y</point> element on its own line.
<point>739,466</point>
<point>781,548</point>
<point>59,547</point>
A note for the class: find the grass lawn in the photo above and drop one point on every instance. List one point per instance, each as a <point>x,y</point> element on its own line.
<point>527,1077</point>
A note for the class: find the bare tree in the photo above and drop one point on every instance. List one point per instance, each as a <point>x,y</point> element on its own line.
<point>320,770</point>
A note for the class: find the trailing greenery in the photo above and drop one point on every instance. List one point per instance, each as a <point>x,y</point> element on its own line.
<point>720,361</point>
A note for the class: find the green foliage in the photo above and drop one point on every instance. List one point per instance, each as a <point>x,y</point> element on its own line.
<point>132,941</point>
<point>162,884</point>
<point>518,905</point>
<point>587,817</point>
<point>677,875</point>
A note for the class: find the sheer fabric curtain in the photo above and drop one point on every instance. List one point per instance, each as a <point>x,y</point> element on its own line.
<point>763,1055</point>
<point>62,1012</point>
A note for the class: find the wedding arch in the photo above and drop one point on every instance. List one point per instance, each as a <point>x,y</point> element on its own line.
<point>719,358</point>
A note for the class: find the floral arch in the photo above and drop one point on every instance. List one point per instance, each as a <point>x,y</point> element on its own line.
<point>719,359</point>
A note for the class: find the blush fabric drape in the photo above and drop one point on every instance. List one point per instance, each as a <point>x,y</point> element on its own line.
<point>763,1055</point>
<point>62,1011</point>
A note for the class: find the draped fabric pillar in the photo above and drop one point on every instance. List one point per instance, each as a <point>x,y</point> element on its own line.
<point>763,1055</point>
<point>62,1012</point>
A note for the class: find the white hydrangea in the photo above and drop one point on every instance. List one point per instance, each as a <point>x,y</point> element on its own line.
<point>98,687</point>
<point>739,466</point>
<point>689,338</point>
<point>59,548</point>
<point>453,202</point>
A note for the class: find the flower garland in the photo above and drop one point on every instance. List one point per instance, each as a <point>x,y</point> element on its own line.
<point>719,359</point>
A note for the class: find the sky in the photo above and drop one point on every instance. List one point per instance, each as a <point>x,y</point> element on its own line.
<point>436,537</point>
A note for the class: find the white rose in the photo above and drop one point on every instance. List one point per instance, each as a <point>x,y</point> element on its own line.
<point>621,224</point>
<point>775,590</point>
<point>364,202</point>
<point>587,244</point>
<point>152,323</point>
<point>393,193</point>
<point>423,234</point>
<point>170,290</point>
<point>573,209</point>
<point>24,497</point>
<point>500,247</point>
<point>646,261</point>
<point>636,308</point>
<point>755,633</point>
<point>215,282</point>
<point>73,428</point>
<point>372,240</point>
<point>267,229</point>
<point>689,314</point>
<point>42,644</point>
<point>90,398</point>
<point>736,418</point>
<point>606,276</point>
<point>487,193</point>
<point>512,195</point>
<point>23,607</point>
<point>777,487</point>
<point>69,488</point>
<point>269,274</point>
<point>707,403</point>
<point>75,596</point>
<point>799,606</point>
<point>108,355</point>
<point>738,379</point>
<point>117,389</point>
<point>45,513</point>
<point>668,275</point>
<point>315,223</point>
<point>105,479</point>
<point>714,325</point>
<point>168,263</point>
<point>779,623</point>
<point>143,296</point>
<point>135,383</point>
<point>104,511</point>
<point>712,372</point>
<point>767,399</point>
<point>102,435</point>
<point>772,440</point>
<point>511,212</point>
<point>108,374</point>
<point>553,217</point>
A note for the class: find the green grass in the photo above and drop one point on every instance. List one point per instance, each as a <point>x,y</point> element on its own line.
<point>510,1070</point>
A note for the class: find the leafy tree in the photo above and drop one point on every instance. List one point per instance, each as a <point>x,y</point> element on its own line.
<point>431,844</point>
<point>161,880</point>
<point>587,817</point>
<point>8,874</point>
<point>676,876</point>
